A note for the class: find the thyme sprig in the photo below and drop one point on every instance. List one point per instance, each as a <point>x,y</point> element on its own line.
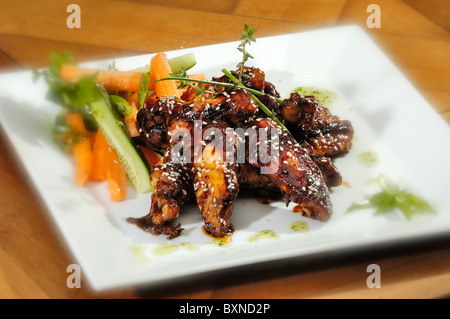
<point>236,84</point>
<point>184,81</point>
<point>246,39</point>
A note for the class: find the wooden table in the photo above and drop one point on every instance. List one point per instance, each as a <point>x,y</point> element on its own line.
<point>33,257</point>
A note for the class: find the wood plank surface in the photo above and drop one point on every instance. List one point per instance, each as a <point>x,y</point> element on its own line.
<point>33,257</point>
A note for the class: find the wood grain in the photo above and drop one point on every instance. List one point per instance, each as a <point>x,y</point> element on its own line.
<point>158,26</point>
<point>437,11</point>
<point>316,12</point>
<point>34,257</point>
<point>31,52</point>
<point>397,17</point>
<point>218,6</point>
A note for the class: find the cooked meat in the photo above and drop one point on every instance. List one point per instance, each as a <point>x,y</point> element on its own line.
<point>312,124</point>
<point>329,171</point>
<point>253,78</point>
<point>296,163</point>
<point>297,176</point>
<point>215,183</point>
<point>157,115</point>
<point>171,188</point>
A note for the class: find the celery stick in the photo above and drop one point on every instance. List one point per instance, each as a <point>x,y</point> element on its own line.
<point>185,61</point>
<point>117,138</point>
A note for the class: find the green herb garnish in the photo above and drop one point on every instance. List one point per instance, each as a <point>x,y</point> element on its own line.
<point>392,198</point>
<point>184,81</point>
<point>63,134</point>
<point>91,100</point>
<point>176,77</point>
<point>246,38</point>
<point>143,88</point>
<point>121,105</point>
<point>261,105</point>
<point>73,96</point>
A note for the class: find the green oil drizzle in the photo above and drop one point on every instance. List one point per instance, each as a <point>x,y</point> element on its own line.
<point>368,158</point>
<point>139,252</point>
<point>188,246</point>
<point>263,234</point>
<point>300,226</point>
<point>325,97</point>
<point>165,249</point>
<point>219,242</point>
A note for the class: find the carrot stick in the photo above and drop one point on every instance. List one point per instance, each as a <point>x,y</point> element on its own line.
<point>116,176</point>
<point>82,148</point>
<point>111,80</point>
<point>99,153</point>
<point>160,68</point>
<point>83,157</point>
<point>76,122</point>
<point>130,120</point>
<point>70,72</point>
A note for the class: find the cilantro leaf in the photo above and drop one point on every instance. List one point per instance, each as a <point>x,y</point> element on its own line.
<point>392,198</point>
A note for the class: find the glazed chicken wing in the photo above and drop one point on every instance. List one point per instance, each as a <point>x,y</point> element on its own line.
<point>322,133</point>
<point>215,182</point>
<point>171,188</point>
<point>297,176</point>
<point>258,155</point>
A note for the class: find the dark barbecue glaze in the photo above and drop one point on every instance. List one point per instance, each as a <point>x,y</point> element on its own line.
<point>304,171</point>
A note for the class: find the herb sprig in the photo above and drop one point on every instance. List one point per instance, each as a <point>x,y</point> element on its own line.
<point>184,81</point>
<point>246,39</point>
<point>261,105</point>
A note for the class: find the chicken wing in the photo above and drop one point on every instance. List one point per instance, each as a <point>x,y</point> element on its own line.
<point>215,182</point>
<point>312,124</point>
<point>171,188</point>
<point>297,176</point>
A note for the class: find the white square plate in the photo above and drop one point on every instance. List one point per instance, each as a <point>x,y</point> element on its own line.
<point>389,116</point>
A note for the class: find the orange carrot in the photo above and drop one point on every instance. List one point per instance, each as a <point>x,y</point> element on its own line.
<point>99,153</point>
<point>116,176</point>
<point>130,120</point>
<point>198,76</point>
<point>70,72</point>
<point>160,68</point>
<point>76,122</point>
<point>111,80</point>
<point>83,156</point>
<point>151,156</point>
<point>82,148</point>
